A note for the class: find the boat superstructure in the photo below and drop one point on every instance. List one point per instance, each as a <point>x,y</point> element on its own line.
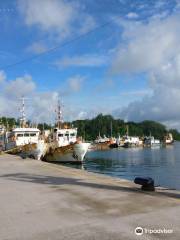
<point>65,136</point>
<point>21,136</point>
<point>130,141</point>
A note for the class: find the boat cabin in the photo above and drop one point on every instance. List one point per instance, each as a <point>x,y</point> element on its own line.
<point>131,140</point>
<point>65,136</point>
<point>151,141</point>
<point>21,136</point>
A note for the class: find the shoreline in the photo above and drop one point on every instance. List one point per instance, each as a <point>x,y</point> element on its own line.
<point>98,174</point>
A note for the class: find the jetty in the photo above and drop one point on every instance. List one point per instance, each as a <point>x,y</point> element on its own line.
<point>41,201</point>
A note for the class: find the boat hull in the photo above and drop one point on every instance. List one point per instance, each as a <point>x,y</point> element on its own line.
<point>73,153</point>
<point>169,142</point>
<point>101,146</point>
<point>33,150</point>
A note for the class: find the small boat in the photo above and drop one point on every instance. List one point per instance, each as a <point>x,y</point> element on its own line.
<point>151,142</point>
<point>101,143</point>
<point>116,142</point>
<point>130,141</point>
<point>100,139</point>
<point>168,139</point>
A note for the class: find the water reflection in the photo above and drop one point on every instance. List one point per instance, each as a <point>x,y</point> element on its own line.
<point>162,164</point>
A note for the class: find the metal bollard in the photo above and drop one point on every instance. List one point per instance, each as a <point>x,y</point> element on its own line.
<point>147,184</point>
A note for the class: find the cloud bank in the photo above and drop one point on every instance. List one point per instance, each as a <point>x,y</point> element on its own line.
<point>56,17</point>
<point>40,106</point>
<point>152,48</point>
<point>87,60</point>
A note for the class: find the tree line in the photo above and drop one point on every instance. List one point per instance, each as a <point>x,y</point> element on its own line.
<point>107,125</point>
<point>89,129</point>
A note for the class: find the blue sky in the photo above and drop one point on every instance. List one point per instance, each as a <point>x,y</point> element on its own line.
<point>119,68</point>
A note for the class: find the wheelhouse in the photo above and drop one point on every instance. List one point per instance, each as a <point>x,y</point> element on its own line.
<point>65,136</point>
<point>22,136</point>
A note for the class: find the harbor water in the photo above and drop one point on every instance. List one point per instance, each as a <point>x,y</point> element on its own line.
<point>162,164</point>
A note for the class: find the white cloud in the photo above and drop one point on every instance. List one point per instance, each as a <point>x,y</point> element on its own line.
<point>143,92</point>
<point>82,115</point>
<point>132,15</point>
<point>88,60</point>
<point>43,106</point>
<point>149,45</point>
<point>2,76</point>
<point>40,106</point>
<point>55,17</point>
<point>36,47</point>
<point>153,48</point>
<point>75,83</point>
<point>19,87</point>
<point>87,24</point>
<point>48,15</point>
<point>11,91</point>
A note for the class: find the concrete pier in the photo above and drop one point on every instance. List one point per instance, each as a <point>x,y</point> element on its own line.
<point>42,201</point>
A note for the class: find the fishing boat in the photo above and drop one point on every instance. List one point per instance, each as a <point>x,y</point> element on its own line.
<point>168,139</point>
<point>103,139</point>
<point>103,143</point>
<point>65,146</point>
<point>151,142</point>
<point>24,140</point>
<point>100,143</point>
<point>130,141</point>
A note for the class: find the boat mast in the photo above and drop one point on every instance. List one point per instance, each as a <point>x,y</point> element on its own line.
<point>23,115</point>
<point>127,130</point>
<point>111,129</point>
<point>59,115</point>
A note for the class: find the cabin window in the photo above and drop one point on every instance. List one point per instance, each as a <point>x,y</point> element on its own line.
<point>72,134</point>
<point>67,134</point>
<point>26,134</point>
<point>19,135</point>
<point>32,134</point>
<point>60,135</point>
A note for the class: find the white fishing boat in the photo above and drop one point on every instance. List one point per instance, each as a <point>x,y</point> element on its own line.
<point>168,139</point>
<point>24,140</point>
<point>152,142</point>
<point>130,141</point>
<point>65,146</point>
<point>21,136</point>
<point>103,139</point>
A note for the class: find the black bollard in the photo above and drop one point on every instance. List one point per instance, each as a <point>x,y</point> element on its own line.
<point>146,183</point>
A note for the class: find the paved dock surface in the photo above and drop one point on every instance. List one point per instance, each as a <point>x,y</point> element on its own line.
<point>42,201</point>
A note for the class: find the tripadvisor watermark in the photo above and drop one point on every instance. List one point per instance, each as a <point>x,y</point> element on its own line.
<point>140,231</point>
